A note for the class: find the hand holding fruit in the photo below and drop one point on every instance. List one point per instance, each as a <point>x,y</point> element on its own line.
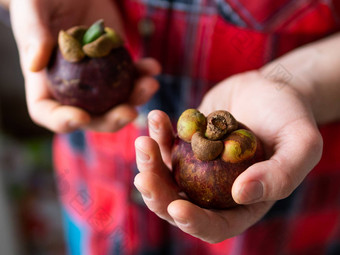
<point>91,69</point>
<point>36,25</point>
<point>281,119</point>
<point>208,155</point>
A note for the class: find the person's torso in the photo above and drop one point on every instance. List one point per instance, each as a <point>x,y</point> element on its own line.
<point>201,42</point>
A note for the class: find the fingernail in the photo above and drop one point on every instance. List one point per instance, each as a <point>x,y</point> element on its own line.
<point>153,122</point>
<point>142,156</point>
<point>250,192</point>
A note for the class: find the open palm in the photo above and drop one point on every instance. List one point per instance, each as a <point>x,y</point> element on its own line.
<point>279,117</point>
<point>36,25</point>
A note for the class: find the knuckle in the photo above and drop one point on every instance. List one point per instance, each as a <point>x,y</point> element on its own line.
<point>312,141</point>
<point>281,184</point>
<point>214,238</point>
<point>193,230</point>
<point>215,234</point>
<point>212,241</point>
<point>38,116</point>
<point>287,177</point>
<point>159,209</point>
<point>61,127</point>
<point>34,115</point>
<point>287,184</point>
<point>316,145</point>
<point>35,118</point>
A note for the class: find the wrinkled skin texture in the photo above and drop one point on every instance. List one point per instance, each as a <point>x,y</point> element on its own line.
<point>93,84</point>
<point>208,183</point>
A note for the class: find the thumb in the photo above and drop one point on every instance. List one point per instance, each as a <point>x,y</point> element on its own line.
<point>34,39</point>
<point>277,177</point>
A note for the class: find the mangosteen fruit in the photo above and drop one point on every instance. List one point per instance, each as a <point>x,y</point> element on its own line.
<point>90,68</point>
<point>208,155</point>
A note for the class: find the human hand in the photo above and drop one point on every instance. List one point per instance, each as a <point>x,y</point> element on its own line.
<point>35,26</point>
<point>277,114</point>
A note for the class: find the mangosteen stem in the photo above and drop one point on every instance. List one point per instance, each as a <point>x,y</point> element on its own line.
<point>205,149</point>
<point>219,124</point>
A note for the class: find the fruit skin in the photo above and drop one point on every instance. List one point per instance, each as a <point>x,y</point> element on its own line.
<point>208,183</point>
<point>94,84</point>
<point>190,122</point>
<point>239,146</point>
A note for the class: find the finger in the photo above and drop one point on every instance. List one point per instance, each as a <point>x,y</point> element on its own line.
<point>145,88</point>
<point>298,151</point>
<point>113,120</point>
<point>160,129</point>
<point>58,118</point>
<point>215,226</point>
<point>157,193</point>
<point>49,113</point>
<point>34,40</point>
<point>61,118</point>
<point>154,180</point>
<point>149,158</point>
<point>148,66</point>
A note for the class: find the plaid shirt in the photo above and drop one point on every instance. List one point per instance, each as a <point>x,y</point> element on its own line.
<point>199,43</point>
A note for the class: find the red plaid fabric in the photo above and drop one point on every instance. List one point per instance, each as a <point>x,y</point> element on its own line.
<point>198,43</point>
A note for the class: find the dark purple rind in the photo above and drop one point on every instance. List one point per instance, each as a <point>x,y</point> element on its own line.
<point>207,183</point>
<point>93,84</point>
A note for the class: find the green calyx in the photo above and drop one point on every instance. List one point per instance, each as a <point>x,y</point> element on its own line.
<point>94,32</point>
<point>95,42</point>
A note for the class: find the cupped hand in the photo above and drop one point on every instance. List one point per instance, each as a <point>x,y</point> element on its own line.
<point>277,114</point>
<point>36,24</point>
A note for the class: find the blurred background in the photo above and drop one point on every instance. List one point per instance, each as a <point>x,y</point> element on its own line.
<point>30,215</point>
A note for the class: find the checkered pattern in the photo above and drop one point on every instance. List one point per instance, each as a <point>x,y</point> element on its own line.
<point>199,43</point>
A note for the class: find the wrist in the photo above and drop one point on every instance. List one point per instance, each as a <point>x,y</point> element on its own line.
<point>313,72</point>
<point>296,70</point>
